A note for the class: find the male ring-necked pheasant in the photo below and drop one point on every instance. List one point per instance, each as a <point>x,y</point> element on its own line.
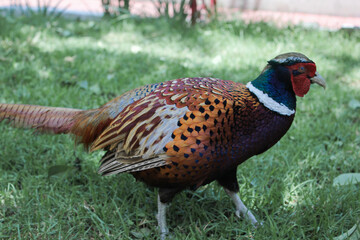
<point>187,132</point>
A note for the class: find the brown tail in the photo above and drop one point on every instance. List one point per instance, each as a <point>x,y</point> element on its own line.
<point>46,119</point>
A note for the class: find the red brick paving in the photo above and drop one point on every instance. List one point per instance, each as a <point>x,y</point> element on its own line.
<point>147,8</point>
<point>281,18</point>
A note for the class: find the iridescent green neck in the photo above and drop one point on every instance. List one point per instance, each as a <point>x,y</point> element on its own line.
<point>273,89</point>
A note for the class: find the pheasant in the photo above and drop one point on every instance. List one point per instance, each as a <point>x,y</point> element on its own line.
<point>184,133</point>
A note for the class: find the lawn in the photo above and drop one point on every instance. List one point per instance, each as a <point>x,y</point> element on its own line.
<point>83,64</point>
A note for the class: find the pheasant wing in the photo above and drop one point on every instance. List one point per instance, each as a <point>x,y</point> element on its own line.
<point>179,116</point>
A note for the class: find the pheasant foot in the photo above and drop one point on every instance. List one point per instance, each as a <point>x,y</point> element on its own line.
<point>241,209</point>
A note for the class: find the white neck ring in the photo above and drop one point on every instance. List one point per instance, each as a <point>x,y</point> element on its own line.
<point>269,102</point>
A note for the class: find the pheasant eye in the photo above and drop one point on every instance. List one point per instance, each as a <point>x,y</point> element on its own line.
<point>301,69</point>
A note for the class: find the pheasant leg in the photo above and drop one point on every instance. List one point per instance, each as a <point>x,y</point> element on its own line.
<point>241,208</point>
<point>161,217</point>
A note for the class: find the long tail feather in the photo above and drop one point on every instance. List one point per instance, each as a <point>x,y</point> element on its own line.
<point>46,119</point>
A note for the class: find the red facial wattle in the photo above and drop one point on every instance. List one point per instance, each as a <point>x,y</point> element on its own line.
<point>301,83</point>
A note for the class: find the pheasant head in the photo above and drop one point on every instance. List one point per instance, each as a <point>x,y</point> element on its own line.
<point>284,77</point>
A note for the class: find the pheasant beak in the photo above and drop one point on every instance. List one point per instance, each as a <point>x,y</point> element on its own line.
<point>318,79</point>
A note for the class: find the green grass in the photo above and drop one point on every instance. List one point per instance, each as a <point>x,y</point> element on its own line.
<point>83,64</point>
